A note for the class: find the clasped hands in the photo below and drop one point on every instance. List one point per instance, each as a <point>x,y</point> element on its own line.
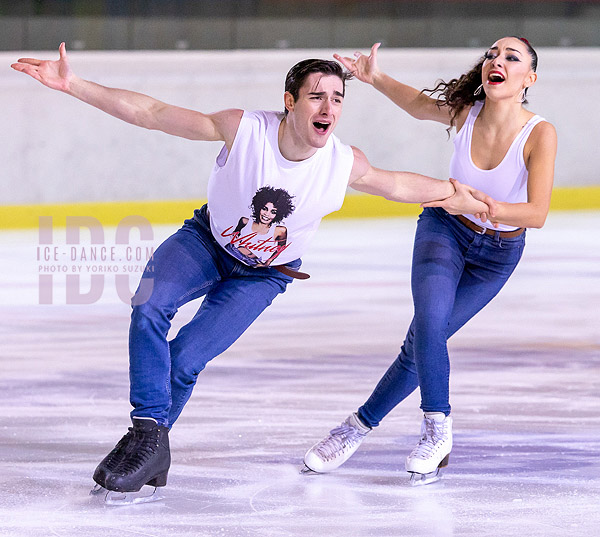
<point>468,200</point>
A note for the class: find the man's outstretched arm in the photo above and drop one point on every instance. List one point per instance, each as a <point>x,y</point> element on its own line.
<point>408,187</point>
<point>132,107</point>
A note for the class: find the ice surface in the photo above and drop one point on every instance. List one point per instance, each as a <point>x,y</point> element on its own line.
<point>525,390</point>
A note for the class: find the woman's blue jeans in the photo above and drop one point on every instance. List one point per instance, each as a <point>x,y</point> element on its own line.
<point>188,265</point>
<point>455,273</point>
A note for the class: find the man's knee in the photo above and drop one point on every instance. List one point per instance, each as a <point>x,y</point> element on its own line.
<point>144,292</point>
<point>185,375</point>
<point>152,313</point>
<point>431,320</point>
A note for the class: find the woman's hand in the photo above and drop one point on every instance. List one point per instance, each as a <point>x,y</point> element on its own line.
<point>54,74</point>
<point>362,67</point>
<point>466,200</point>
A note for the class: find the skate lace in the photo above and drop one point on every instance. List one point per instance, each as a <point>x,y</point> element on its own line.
<point>433,435</point>
<point>340,438</point>
<point>146,446</point>
<point>115,456</point>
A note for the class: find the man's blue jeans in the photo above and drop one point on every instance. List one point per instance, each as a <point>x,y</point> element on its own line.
<point>188,265</point>
<point>455,273</point>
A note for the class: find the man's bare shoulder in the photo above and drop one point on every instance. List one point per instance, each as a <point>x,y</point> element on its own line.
<point>360,166</point>
<point>227,123</point>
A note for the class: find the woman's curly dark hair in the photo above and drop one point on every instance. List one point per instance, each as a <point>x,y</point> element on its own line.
<point>459,93</point>
<point>278,197</point>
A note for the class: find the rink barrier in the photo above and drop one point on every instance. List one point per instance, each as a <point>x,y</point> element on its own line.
<point>175,211</point>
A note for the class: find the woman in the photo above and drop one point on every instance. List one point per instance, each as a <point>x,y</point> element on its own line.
<point>261,236</point>
<point>459,262</point>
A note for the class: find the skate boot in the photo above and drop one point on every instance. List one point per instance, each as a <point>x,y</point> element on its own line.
<point>433,450</point>
<point>142,457</point>
<point>336,448</point>
<point>146,461</point>
<point>111,461</point>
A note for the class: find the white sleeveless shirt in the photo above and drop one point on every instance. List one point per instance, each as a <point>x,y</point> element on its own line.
<point>506,182</point>
<point>254,181</point>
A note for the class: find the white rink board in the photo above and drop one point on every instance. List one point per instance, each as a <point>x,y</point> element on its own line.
<point>55,149</point>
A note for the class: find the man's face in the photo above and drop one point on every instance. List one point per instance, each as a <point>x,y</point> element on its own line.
<point>315,113</point>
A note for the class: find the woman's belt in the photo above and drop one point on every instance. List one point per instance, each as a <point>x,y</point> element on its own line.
<point>486,230</point>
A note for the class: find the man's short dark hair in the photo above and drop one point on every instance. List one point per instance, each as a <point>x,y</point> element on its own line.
<point>297,74</point>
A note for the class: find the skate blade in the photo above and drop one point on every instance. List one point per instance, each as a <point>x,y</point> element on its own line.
<point>97,490</point>
<point>418,480</point>
<point>111,497</point>
<point>305,470</point>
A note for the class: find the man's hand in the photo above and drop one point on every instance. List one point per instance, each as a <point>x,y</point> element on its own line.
<point>362,67</point>
<point>466,200</point>
<point>54,74</point>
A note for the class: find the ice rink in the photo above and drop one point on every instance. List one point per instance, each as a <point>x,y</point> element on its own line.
<point>525,390</point>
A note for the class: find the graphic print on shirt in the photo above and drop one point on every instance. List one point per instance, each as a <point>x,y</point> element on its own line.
<point>258,239</point>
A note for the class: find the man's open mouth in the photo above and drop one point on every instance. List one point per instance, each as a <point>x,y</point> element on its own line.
<point>321,127</point>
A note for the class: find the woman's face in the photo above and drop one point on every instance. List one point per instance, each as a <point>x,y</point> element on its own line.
<point>506,70</point>
<point>268,214</point>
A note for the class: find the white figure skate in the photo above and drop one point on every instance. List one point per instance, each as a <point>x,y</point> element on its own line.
<point>337,447</point>
<point>432,453</point>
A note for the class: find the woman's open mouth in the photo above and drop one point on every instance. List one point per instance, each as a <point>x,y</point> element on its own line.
<point>495,78</point>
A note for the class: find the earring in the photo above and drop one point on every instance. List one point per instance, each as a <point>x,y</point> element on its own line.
<point>478,90</point>
<point>522,95</point>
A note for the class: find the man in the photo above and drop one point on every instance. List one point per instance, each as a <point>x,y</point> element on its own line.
<point>292,155</point>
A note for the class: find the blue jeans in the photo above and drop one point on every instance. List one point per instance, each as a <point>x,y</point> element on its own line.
<point>188,265</point>
<point>455,273</point>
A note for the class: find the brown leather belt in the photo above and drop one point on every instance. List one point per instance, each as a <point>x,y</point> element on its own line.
<point>487,231</point>
<point>291,272</point>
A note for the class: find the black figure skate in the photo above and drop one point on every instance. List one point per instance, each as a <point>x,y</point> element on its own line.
<point>141,457</point>
<point>111,461</point>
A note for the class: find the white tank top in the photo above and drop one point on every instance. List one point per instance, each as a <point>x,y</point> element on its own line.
<point>506,182</point>
<point>255,181</point>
